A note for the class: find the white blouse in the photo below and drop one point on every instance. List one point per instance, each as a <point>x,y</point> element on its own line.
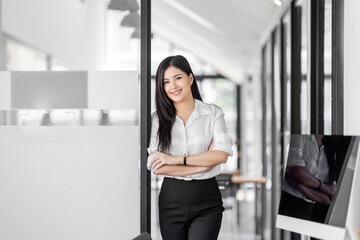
<point>305,152</point>
<point>204,124</point>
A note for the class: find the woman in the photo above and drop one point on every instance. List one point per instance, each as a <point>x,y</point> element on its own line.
<point>188,143</point>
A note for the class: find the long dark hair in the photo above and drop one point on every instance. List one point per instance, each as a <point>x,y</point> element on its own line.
<point>164,105</point>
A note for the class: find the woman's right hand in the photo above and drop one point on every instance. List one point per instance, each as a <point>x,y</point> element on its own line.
<point>329,189</point>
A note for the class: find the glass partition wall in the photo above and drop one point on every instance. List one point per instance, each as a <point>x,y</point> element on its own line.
<point>69,155</point>
<point>65,143</point>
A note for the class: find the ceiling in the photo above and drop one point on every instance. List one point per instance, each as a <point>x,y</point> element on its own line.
<point>224,33</point>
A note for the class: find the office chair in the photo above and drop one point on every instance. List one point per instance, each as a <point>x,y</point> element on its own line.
<point>143,236</point>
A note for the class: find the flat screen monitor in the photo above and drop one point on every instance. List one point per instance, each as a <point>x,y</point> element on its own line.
<point>317,185</point>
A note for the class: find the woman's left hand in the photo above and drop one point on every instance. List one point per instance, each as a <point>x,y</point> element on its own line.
<point>163,159</point>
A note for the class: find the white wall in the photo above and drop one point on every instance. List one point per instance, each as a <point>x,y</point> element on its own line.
<point>70,30</point>
<point>352,68</point>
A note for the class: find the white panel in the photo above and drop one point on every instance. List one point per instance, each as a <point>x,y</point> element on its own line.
<point>338,216</point>
<point>5,90</point>
<point>84,188</point>
<point>48,90</point>
<point>351,67</point>
<point>313,229</point>
<point>353,223</point>
<point>113,90</point>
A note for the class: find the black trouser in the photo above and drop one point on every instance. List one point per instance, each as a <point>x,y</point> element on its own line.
<point>297,207</point>
<point>190,210</point>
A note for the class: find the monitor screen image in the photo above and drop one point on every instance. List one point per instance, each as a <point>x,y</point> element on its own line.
<point>317,185</point>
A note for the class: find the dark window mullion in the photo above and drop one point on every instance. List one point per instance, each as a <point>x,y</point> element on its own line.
<point>317,66</point>
<point>295,69</point>
<point>145,113</point>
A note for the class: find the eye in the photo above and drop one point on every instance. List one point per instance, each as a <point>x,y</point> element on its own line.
<point>165,82</point>
<point>178,78</point>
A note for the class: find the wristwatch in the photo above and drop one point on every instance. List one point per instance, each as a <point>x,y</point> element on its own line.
<point>185,156</point>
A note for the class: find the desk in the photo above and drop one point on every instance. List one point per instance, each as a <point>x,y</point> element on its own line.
<point>243,179</point>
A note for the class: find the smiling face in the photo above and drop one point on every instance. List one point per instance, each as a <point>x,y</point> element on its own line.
<point>177,84</point>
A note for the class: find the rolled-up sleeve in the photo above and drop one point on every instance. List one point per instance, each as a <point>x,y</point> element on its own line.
<point>153,146</point>
<point>222,140</point>
<point>296,152</point>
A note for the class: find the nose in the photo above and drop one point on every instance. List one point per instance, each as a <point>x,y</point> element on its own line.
<point>172,84</point>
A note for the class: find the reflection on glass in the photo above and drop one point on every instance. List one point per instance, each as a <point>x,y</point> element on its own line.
<point>319,168</point>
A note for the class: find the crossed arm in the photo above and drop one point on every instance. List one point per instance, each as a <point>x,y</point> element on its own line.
<point>302,180</point>
<point>165,164</point>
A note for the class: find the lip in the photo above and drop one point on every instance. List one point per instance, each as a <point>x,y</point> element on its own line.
<point>177,92</point>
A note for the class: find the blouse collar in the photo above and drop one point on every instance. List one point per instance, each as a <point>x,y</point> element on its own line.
<point>201,109</point>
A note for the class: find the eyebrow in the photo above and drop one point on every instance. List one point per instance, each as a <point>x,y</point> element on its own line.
<point>172,77</point>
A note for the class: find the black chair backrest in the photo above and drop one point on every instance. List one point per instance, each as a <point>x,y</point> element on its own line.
<point>143,236</point>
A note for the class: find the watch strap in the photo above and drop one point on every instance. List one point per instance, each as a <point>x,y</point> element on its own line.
<point>185,156</point>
